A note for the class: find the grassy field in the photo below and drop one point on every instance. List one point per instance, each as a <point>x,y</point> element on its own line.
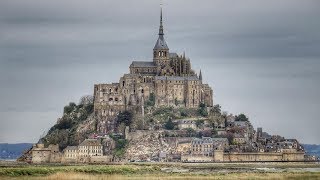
<point>164,171</point>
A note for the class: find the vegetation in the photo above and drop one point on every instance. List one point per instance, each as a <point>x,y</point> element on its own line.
<point>64,132</point>
<point>125,117</point>
<point>169,125</point>
<point>121,146</point>
<point>241,117</point>
<point>199,123</point>
<point>202,111</point>
<point>155,171</point>
<point>151,101</point>
<point>190,132</point>
<point>216,110</point>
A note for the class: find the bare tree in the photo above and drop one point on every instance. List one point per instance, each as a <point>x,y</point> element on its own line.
<point>87,99</point>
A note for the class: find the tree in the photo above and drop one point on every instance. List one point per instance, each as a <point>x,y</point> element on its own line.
<point>199,122</point>
<point>85,100</point>
<point>176,102</point>
<point>241,117</point>
<point>169,125</point>
<point>69,108</point>
<point>216,110</point>
<point>151,101</point>
<point>202,111</point>
<point>124,117</point>
<point>190,132</point>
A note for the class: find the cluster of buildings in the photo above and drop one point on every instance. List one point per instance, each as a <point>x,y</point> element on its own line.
<point>168,78</point>
<point>89,151</point>
<point>169,81</point>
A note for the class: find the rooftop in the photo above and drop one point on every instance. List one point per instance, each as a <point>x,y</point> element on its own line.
<point>90,142</point>
<point>177,78</point>
<point>142,64</point>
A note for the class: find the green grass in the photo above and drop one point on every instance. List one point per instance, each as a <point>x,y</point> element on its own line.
<point>92,169</point>
<point>143,170</point>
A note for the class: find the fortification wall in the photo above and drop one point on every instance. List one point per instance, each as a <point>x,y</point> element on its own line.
<point>40,156</point>
<point>233,157</point>
<point>196,158</point>
<point>100,159</point>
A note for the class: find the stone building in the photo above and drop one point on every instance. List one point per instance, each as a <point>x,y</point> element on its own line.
<point>169,77</point>
<point>206,145</point>
<point>89,148</point>
<point>185,123</point>
<point>42,154</point>
<point>70,154</point>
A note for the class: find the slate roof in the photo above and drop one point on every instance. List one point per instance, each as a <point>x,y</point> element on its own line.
<point>177,78</point>
<point>161,43</point>
<point>90,142</point>
<point>143,64</point>
<point>172,55</point>
<point>71,148</point>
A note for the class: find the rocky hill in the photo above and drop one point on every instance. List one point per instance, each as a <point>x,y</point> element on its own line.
<point>75,125</point>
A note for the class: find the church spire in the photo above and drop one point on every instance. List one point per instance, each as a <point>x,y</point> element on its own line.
<point>161,43</point>
<point>200,75</point>
<point>161,26</point>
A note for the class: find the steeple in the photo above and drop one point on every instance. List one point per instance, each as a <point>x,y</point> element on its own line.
<point>161,50</point>
<point>161,26</point>
<point>161,43</point>
<point>200,75</point>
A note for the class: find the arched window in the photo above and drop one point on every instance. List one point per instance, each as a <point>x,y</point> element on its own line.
<point>159,53</point>
<point>165,54</point>
<point>142,91</point>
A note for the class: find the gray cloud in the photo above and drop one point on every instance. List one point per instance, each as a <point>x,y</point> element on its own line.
<point>261,57</point>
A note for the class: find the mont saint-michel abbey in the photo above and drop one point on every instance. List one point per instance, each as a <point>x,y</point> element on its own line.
<point>168,78</point>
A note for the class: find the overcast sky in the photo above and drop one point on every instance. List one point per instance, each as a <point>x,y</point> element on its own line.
<point>262,58</point>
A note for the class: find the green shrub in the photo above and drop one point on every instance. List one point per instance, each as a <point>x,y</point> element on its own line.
<point>169,125</point>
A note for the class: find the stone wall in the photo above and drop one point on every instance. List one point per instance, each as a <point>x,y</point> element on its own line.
<point>196,158</point>
<point>40,155</point>
<point>265,156</point>
<point>100,159</point>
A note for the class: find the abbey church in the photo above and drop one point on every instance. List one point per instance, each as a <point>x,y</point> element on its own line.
<point>168,79</point>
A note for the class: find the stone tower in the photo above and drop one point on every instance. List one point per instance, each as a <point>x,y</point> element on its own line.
<point>161,51</point>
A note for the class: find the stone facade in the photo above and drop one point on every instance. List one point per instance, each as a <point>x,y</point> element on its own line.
<point>42,154</point>
<point>169,77</point>
<point>89,151</point>
<point>263,156</point>
<point>89,148</point>
<point>206,145</point>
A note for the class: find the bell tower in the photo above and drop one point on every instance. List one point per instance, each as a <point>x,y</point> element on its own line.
<point>161,50</point>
